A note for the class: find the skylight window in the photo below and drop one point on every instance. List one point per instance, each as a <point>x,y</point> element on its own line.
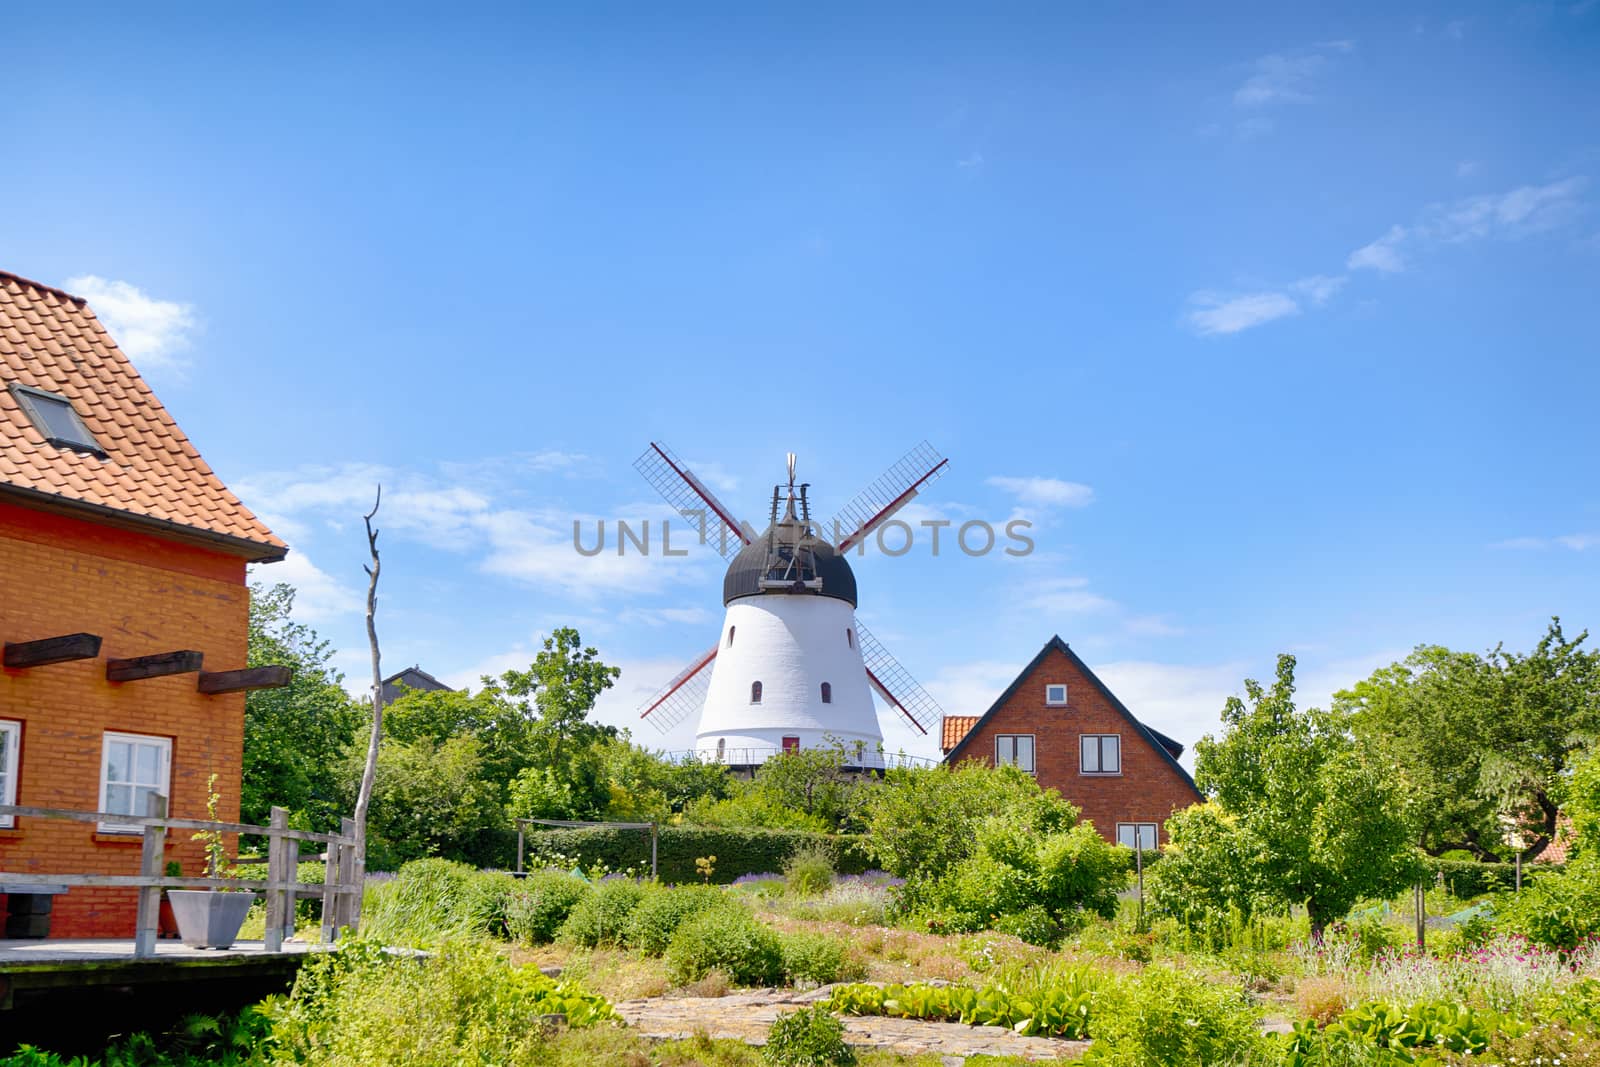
<point>54,416</point>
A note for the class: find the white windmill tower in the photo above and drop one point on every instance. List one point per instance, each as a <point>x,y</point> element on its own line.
<point>792,668</point>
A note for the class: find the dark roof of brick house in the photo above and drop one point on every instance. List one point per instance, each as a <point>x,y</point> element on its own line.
<point>1165,746</point>
<point>396,685</point>
<point>150,476</point>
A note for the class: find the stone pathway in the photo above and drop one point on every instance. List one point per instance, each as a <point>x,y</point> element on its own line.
<point>745,1016</point>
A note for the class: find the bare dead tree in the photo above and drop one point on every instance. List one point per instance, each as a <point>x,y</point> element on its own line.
<point>370,774</point>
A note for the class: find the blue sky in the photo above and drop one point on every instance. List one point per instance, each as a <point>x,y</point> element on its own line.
<point>1280,325</point>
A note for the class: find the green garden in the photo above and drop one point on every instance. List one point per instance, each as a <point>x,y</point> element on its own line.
<point>1279,926</point>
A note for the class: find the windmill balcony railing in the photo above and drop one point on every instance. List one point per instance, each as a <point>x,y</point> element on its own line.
<point>755,756</point>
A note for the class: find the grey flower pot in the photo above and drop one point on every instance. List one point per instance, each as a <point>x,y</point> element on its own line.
<point>208,918</point>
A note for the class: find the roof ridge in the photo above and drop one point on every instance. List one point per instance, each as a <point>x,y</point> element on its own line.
<point>1116,703</point>
<point>20,280</point>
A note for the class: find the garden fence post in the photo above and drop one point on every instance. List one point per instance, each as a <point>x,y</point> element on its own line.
<point>1519,872</point>
<point>1138,862</point>
<point>1422,915</point>
<point>350,914</point>
<point>280,906</point>
<point>331,897</point>
<point>654,835</point>
<point>151,866</point>
<point>521,830</point>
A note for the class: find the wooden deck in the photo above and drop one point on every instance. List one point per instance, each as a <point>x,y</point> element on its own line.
<point>60,983</point>
<point>52,953</point>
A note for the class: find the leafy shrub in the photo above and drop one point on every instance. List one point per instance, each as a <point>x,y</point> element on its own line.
<point>729,940</point>
<point>465,1003</point>
<point>485,904</point>
<point>738,851</point>
<point>1469,878</point>
<point>1057,1006</point>
<point>603,917</point>
<point>659,915</point>
<point>1557,910</point>
<point>421,905</point>
<point>810,1037</point>
<point>1165,1018</point>
<point>809,870</point>
<point>542,903</point>
<point>1435,1026</point>
<point>1032,924</point>
<point>817,959</point>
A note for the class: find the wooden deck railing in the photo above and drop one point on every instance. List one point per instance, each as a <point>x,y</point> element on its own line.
<point>340,891</point>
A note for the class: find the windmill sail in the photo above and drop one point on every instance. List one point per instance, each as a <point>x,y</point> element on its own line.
<point>895,684</point>
<point>689,496</point>
<point>681,697</point>
<point>893,490</point>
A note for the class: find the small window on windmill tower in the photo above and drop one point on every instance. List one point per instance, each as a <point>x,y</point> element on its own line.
<point>1055,696</point>
<point>849,637</point>
<point>755,692</point>
<point>730,635</point>
<point>827,692</point>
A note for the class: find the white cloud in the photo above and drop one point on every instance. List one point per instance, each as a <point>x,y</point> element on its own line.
<point>1279,78</point>
<point>1183,702</point>
<point>1217,314</point>
<point>1319,288</point>
<point>1382,255</point>
<point>534,546</point>
<point>969,688</point>
<point>1065,596</point>
<point>150,332</point>
<point>1519,213</point>
<point>1045,492</point>
<point>970,162</point>
<point>1577,542</point>
<point>319,596</point>
<point>1527,210</point>
<point>1467,168</point>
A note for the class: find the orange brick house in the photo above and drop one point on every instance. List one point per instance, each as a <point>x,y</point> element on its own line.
<point>123,609</point>
<point>1061,723</point>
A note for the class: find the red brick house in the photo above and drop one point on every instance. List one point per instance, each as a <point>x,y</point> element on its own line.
<point>1062,724</point>
<point>123,609</point>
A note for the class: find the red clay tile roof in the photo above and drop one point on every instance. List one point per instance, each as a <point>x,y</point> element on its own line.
<point>150,474</point>
<point>954,729</point>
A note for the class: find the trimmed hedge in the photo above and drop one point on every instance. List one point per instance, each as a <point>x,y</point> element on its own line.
<point>738,852</point>
<point>1468,878</point>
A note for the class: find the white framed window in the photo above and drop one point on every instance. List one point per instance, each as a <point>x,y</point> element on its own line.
<point>1145,836</point>
<point>1014,750</point>
<point>132,767</point>
<point>1100,754</point>
<point>10,747</point>
<point>1055,696</point>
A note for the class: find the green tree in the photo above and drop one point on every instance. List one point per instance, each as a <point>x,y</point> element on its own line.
<point>430,798</point>
<point>294,737</point>
<point>1208,868</point>
<point>1325,826</point>
<point>923,821</point>
<point>807,789</point>
<point>1483,743</point>
<point>564,681</point>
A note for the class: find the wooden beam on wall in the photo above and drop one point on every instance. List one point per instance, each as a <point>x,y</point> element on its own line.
<point>159,665</point>
<point>48,650</point>
<point>241,681</point>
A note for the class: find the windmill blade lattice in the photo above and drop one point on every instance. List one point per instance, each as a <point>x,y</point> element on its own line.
<point>689,496</point>
<point>681,697</point>
<point>892,491</point>
<point>895,684</point>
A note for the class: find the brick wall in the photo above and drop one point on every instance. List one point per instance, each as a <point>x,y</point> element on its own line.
<point>142,595</point>
<point>1148,789</point>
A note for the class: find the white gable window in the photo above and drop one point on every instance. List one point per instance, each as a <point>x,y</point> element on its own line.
<point>1055,696</point>
<point>1015,750</point>
<point>10,746</point>
<point>1100,754</point>
<point>132,767</point>
<point>1144,836</point>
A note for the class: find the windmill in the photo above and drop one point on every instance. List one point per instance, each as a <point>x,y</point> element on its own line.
<point>793,667</point>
